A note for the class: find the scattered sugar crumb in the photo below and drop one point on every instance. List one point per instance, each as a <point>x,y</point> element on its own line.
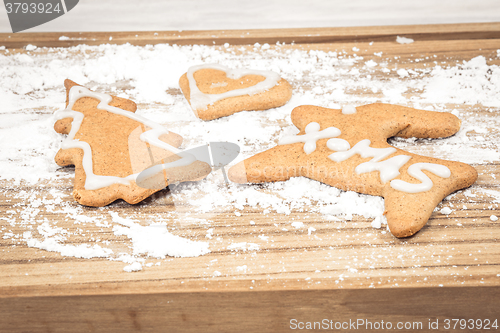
<point>402,72</point>
<point>244,246</point>
<point>134,267</point>
<point>371,63</point>
<point>378,221</point>
<point>241,268</point>
<point>445,211</point>
<point>404,40</point>
<point>493,218</point>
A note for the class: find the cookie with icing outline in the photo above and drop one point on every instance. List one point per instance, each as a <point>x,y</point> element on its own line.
<point>109,145</point>
<point>215,91</point>
<point>348,149</point>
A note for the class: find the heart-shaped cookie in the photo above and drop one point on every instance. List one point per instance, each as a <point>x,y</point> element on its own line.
<point>215,91</point>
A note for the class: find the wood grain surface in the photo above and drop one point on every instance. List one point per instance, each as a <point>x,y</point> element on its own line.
<point>439,32</point>
<point>450,269</point>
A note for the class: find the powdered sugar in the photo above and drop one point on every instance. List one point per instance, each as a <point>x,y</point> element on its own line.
<point>446,211</point>
<point>404,40</point>
<point>155,240</point>
<point>134,267</point>
<point>243,246</point>
<point>31,90</point>
<point>472,82</point>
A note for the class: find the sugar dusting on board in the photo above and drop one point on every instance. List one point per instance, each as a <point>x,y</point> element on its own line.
<point>31,90</point>
<point>155,241</point>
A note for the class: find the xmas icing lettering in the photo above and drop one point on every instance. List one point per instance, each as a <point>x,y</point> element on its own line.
<point>388,168</point>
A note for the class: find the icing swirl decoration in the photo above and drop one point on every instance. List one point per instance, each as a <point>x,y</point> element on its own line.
<point>200,100</point>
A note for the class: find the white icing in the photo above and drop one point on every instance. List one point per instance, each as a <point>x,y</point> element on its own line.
<point>200,101</point>
<point>312,135</point>
<point>93,181</point>
<point>415,170</point>
<point>338,144</point>
<point>389,169</point>
<point>348,109</point>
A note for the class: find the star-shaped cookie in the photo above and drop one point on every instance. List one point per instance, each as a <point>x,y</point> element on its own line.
<point>348,149</point>
<point>110,145</point>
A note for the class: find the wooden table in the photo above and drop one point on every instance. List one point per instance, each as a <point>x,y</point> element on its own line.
<point>450,269</point>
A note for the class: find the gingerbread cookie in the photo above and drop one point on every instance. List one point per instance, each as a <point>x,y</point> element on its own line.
<point>348,149</point>
<point>215,91</point>
<point>109,145</point>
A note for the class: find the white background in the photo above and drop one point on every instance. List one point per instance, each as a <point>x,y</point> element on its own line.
<point>129,15</point>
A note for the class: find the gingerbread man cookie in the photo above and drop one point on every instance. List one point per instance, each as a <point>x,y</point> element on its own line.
<point>348,149</point>
<point>215,91</point>
<point>109,145</point>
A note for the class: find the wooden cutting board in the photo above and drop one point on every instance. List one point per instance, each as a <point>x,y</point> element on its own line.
<point>454,273</point>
